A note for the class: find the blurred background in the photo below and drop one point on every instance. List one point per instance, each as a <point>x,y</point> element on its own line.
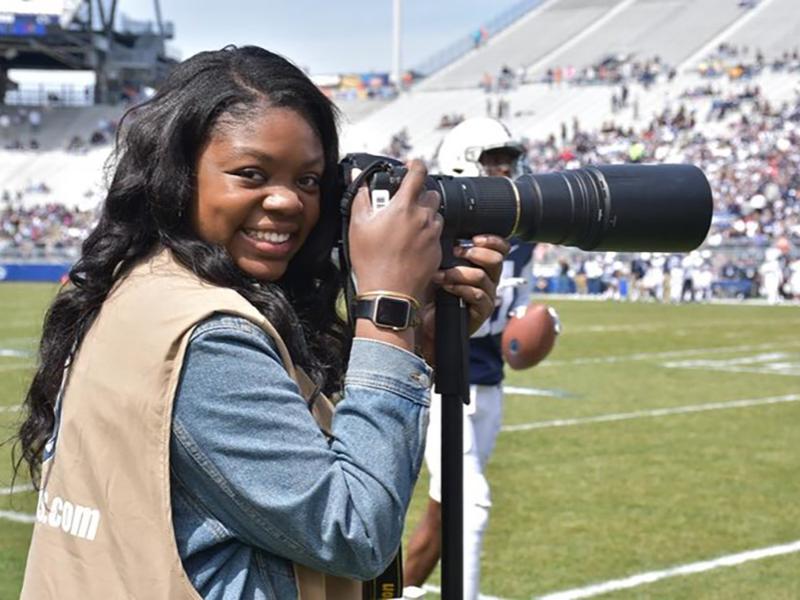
<point>715,83</point>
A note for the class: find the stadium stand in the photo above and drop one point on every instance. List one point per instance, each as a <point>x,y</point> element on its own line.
<point>58,126</point>
<point>540,32</point>
<point>770,26</point>
<point>647,28</point>
<point>716,87</point>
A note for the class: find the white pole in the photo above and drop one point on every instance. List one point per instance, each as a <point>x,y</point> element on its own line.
<point>396,68</point>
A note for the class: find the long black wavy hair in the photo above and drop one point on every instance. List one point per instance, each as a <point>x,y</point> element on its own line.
<point>148,206</point>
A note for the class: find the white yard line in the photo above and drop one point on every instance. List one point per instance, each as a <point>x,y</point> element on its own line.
<point>689,569</point>
<point>12,353</point>
<point>435,589</point>
<point>657,412</point>
<point>12,515</point>
<point>17,489</point>
<point>614,585</point>
<point>528,391</point>
<point>14,408</point>
<point>741,371</point>
<point>637,327</point>
<point>667,354</point>
<point>773,363</point>
<point>16,367</point>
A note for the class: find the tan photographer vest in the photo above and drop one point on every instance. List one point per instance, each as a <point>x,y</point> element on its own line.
<point>104,521</point>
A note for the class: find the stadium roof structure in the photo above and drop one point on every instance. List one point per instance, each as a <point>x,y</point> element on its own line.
<point>81,35</point>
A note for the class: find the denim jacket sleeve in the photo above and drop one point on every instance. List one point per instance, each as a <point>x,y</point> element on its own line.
<point>244,442</point>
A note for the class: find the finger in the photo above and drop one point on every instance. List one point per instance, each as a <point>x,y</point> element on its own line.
<point>493,242</point>
<point>429,199</point>
<point>413,182</point>
<point>474,296</point>
<point>468,276</point>
<point>361,204</point>
<point>490,260</point>
<point>477,318</point>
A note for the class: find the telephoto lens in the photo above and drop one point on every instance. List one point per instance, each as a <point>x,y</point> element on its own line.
<point>653,208</point>
<point>656,208</point>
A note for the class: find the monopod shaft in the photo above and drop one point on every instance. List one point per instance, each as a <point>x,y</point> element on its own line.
<point>452,369</point>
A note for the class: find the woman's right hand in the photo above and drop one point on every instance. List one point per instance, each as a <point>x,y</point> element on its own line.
<point>397,248</point>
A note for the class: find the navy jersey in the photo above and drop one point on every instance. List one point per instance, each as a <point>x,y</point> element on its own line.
<point>485,356</point>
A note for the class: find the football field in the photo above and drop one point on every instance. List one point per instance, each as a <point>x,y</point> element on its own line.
<point>653,455</point>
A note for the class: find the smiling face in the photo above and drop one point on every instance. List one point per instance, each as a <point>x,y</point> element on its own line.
<point>258,189</point>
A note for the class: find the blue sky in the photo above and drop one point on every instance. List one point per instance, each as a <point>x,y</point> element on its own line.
<point>332,36</point>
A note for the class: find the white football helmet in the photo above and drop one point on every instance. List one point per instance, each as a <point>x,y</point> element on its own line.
<point>461,149</point>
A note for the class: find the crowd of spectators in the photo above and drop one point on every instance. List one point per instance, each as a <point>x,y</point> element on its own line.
<point>19,128</point>
<point>749,149</point>
<point>101,135</point>
<point>399,145</point>
<point>42,231</point>
<point>613,70</point>
<point>22,128</point>
<point>675,278</point>
<point>504,80</point>
<point>742,62</point>
<point>448,121</point>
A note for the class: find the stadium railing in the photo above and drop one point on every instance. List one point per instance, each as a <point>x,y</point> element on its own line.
<point>51,95</point>
<point>457,49</point>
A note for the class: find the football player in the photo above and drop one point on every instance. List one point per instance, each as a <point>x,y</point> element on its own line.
<point>476,147</point>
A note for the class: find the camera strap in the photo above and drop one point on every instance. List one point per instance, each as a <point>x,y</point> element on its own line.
<point>344,248</point>
<point>388,584</point>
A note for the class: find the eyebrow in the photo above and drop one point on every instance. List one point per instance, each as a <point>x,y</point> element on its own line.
<point>247,151</point>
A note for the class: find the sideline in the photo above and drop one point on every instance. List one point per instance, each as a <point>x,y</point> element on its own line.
<point>644,414</point>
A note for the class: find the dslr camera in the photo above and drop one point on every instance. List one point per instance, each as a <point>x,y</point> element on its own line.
<point>654,208</point>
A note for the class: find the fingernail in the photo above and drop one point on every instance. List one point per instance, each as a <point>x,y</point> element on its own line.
<point>438,277</point>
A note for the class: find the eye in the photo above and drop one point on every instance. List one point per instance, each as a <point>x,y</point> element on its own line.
<point>251,175</point>
<point>309,182</point>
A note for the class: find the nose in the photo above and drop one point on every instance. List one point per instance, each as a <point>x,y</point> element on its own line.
<point>500,170</point>
<point>282,200</point>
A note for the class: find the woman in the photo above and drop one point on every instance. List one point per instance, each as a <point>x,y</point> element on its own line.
<point>176,422</point>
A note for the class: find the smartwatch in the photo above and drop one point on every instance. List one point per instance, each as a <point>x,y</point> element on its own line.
<point>387,311</point>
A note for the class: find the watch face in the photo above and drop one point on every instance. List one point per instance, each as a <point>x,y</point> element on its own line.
<point>392,312</point>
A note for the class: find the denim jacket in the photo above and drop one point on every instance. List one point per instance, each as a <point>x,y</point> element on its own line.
<point>256,486</point>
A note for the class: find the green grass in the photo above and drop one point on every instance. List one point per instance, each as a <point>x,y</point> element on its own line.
<point>597,501</point>
<point>600,501</point>
<point>22,307</point>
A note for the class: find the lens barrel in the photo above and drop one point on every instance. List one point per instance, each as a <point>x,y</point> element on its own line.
<point>656,208</point>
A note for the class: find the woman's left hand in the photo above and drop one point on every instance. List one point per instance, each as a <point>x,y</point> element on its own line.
<point>476,284</point>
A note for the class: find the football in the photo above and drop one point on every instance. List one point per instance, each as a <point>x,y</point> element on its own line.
<point>530,335</point>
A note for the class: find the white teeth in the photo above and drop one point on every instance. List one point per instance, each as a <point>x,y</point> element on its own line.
<point>268,236</point>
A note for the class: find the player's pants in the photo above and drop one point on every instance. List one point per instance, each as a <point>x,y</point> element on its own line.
<point>482,418</point>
